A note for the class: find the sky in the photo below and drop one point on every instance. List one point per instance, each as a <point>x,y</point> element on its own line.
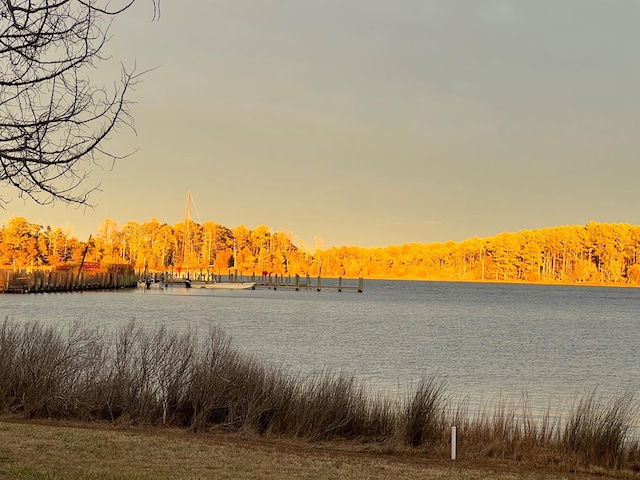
<point>371,122</point>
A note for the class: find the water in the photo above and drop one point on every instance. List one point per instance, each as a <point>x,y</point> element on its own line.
<point>486,340</point>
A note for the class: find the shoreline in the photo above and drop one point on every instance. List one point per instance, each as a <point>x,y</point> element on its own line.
<point>503,282</point>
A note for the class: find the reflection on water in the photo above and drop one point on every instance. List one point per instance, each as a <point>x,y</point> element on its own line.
<point>486,340</point>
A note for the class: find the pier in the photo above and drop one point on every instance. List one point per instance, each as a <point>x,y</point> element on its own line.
<point>297,283</point>
<point>63,281</point>
<point>274,282</point>
<point>69,281</point>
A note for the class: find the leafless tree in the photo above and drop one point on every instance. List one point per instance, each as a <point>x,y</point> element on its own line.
<point>54,121</point>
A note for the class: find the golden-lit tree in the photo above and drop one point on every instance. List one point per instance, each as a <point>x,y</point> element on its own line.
<point>243,258</point>
<point>106,241</point>
<point>20,243</point>
<point>600,253</point>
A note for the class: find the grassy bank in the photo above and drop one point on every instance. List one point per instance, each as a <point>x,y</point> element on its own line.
<point>53,450</point>
<point>199,383</point>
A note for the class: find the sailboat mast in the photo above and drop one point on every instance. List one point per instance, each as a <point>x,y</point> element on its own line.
<point>186,247</point>
<point>186,213</point>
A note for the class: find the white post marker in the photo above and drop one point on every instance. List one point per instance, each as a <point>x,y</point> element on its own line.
<point>453,443</point>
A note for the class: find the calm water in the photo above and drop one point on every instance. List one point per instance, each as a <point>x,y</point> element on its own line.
<point>552,342</point>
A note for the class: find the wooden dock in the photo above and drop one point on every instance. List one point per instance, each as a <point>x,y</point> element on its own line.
<point>293,282</point>
<point>43,282</point>
<point>67,281</point>
<point>307,283</point>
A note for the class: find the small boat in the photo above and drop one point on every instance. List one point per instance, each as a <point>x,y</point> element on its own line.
<point>187,255</point>
<point>219,285</point>
<point>149,284</point>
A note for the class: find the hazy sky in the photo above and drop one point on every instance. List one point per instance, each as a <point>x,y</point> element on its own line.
<point>374,123</point>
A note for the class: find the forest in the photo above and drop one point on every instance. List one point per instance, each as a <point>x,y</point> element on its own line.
<point>595,253</point>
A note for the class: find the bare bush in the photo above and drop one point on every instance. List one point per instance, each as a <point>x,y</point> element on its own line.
<point>157,376</point>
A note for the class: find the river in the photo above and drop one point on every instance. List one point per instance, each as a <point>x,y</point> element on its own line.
<point>484,340</point>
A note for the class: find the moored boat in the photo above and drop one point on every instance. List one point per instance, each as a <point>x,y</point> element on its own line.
<point>219,285</point>
<point>149,284</point>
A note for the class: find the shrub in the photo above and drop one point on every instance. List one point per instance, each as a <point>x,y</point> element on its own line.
<point>157,376</point>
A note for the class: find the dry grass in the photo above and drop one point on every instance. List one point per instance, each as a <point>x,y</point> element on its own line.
<point>163,378</point>
<point>598,430</point>
<point>54,451</point>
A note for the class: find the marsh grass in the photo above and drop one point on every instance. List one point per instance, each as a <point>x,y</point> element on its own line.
<point>200,382</point>
<point>423,419</point>
<point>508,430</point>
<point>598,429</point>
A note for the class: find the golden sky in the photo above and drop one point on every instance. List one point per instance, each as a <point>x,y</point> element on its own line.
<point>371,122</point>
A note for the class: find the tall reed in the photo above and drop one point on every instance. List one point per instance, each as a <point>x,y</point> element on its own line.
<point>506,429</point>
<point>423,419</point>
<point>598,429</point>
<point>189,380</point>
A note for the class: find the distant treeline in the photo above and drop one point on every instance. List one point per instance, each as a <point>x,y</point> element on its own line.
<point>592,253</point>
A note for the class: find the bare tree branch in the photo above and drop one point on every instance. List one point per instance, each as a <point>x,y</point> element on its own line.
<point>54,122</point>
